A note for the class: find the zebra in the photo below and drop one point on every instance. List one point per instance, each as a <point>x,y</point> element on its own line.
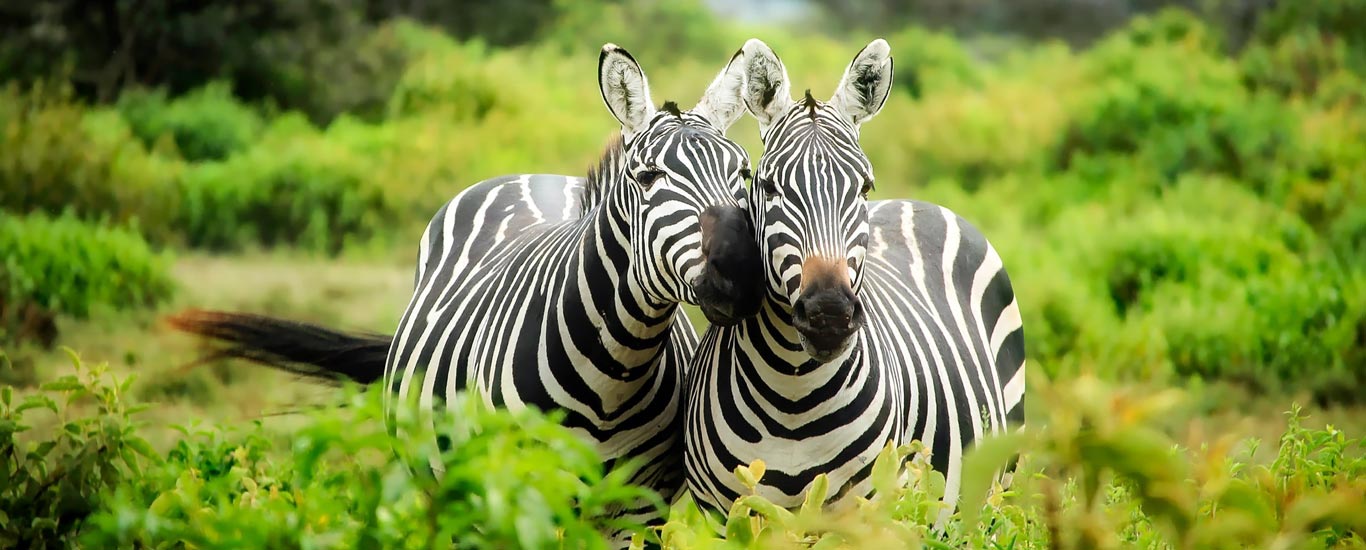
<point>889,320</point>
<point>563,293</point>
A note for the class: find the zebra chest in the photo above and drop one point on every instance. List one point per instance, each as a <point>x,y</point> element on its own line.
<point>833,420</point>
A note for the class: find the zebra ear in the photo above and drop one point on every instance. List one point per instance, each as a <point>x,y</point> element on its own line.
<point>866,83</point>
<point>721,103</point>
<point>766,90</point>
<point>624,89</point>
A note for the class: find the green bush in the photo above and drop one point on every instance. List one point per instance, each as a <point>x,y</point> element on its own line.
<point>1177,107</point>
<point>1104,472</point>
<point>511,481</point>
<point>1334,21</point>
<point>344,66</point>
<point>928,61</point>
<point>1266,308</point>
<point>1295,64</point>
<point>57,156</point>
<point>292,188</point>
<point>205,124</point>
<point>1101,473</point>
<point>1326,182</point>
<point>66,266</point>
<point>458,80</point>
<point>53,477</point>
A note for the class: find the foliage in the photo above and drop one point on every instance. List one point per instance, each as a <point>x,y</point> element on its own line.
<point>1105,472</point>
<point>1102,473</point>
<point>301,54</point>
<point>1195,118</point>
<point>54,157</point>
<point>510,480</point>
<point>59,450</point>
<point>65,266</point>
<point>291,188</point>
<point>205,124</point>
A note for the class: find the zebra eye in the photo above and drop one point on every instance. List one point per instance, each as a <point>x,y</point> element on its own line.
<point>746,174</point>
<point>768,186</point>
<point>646,178</point>
<point>867,188</point>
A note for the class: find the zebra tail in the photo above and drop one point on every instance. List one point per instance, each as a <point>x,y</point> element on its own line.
<point>312,351</point>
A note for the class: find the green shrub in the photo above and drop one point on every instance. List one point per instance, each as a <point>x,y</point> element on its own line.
<point>55,156</point>
<point>53,477</point>
<point>1179,108</point>
<point>927,61</point>
<point>511,481</point>
<point>1326,183</point>
<point>65,266</point>
<point>1216,300</point>
<point>292,188</point>
<point>457,79</point>
<point>205,124</point>
<point>681,29</point>
<point>1101,473</point>
<point>1297,64</point>
<point>346,66</point>
<point>1335,21</point>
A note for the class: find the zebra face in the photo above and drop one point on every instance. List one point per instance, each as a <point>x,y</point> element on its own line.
<point>810,193</point>
<point>692,219</point>
<point>693,240</point>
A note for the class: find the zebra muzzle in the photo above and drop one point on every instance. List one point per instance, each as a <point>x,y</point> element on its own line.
<point>827,314</point>
<point>731,284</point>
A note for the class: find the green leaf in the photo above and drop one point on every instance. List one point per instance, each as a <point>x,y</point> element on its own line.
<point>885,469</point>
<point>65,383</point>
<point>980,466</point>
<point>830,541</point>
<point>37,401</point>
<point>766,508</point>
<point>739,528</point>
<point>815,495</point>
<point>746,477</point>
<point>42,449</point>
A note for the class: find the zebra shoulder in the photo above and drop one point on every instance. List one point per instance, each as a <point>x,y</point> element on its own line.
<point>909,235</point>
<point>919,228</point>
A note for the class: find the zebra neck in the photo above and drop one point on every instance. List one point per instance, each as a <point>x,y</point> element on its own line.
<point>632,328</point>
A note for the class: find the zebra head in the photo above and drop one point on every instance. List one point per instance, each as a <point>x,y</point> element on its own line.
<point>691,236</point>
<point>811,192</point>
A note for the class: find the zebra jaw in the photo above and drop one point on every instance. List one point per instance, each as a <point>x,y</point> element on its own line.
<point>827,355</point>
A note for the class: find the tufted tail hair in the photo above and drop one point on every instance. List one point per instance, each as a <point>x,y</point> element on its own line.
<point>304,349</point>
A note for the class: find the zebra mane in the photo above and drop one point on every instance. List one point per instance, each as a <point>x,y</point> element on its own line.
<point>671,108</point>
<point>810,103</point>
<point>595,186</point>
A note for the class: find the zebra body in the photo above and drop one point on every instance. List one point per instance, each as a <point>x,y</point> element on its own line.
<point>517,297</point>
<point>940,360</point>
<point>562,293</point>
<point>882,321</point>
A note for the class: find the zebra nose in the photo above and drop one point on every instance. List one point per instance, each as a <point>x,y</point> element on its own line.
<point>729,288</point>
<point>828,318</point>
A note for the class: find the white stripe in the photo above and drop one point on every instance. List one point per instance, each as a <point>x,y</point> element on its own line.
<point>1015,388</point>
<point>1007,323</point>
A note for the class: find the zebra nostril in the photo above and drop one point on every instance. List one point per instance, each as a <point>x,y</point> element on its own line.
<point>856,316</point>
<point>799,309</point>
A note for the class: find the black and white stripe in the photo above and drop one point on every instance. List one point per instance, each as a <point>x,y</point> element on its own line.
<point>888,320</point>
<point>561,293</point>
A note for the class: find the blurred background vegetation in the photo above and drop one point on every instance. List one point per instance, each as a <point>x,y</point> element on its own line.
<point>1178,188</point>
